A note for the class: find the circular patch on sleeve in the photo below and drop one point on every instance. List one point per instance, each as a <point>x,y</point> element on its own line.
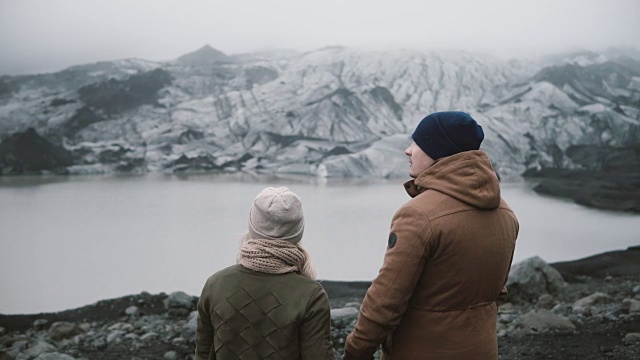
<point>392,240</point>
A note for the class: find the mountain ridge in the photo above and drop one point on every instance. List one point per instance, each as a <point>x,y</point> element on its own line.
<point>224,111</point>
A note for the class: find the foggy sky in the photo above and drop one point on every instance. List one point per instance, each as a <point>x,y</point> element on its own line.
<point>50,35</point>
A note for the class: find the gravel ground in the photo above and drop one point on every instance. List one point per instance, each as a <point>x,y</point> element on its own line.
<point>159,326</point>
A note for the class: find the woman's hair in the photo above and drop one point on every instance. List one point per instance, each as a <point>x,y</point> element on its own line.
<point>308,268</point>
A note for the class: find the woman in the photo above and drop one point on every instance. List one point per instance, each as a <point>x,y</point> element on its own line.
<point>268,306</point>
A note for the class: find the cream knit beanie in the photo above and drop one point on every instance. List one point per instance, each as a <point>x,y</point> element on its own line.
<point>276,214</point>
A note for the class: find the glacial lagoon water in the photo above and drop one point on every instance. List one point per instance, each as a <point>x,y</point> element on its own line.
<point>71,241</point>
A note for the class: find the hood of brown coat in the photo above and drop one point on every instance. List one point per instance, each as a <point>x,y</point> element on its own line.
<point>467,176</point>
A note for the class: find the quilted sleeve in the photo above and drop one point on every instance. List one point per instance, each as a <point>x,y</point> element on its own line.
<point>204,330</point>
<point>315,332</point>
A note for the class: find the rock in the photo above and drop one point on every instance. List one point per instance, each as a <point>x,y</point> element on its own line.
<point>507,317</point>
<point>193,315</point>
<point>631,338</point>
<point>343,316</point>
<point>29,153</point>
<point>506,307</point>
<point>132,311</point>
<point>180,304</point>
<point>636,289</point>
<point>63,330</point>
<point>562,309</point>
<point>149,335</point>
<point>545,301</point>
<point>630,306</point>
<point>178,341</point>
<point>170,355</point>
<point>543,320</point>
<point>114,336</point>
<point>179,299</point>
<point>40,324</point>
<point>100,344</point>
<point>344,312</point>
<point>125,327</point>
<point>16,348</point>
<point>501,329</point>
<point>132,336</point>
<point>189,329</point>
<point>531,278</point>
<point>591,300</point>
<point>38,348</point>
<point>2,331</point>
<point>588,305</point>
<point>54,356</point>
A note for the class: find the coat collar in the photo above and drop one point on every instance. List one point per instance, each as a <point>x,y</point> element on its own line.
<point>412,189</point>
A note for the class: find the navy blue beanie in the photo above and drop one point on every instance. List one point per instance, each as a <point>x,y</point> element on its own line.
<point>447,133</point>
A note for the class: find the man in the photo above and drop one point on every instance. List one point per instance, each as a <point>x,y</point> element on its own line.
<point>448,256</point>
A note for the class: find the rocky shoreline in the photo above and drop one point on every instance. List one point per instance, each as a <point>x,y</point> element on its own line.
<point>582,309</point>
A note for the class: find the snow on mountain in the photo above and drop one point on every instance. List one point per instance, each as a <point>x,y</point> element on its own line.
<point>564,107</point>
<point>330,112</point>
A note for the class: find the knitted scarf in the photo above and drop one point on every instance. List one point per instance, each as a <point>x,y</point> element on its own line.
<point>274,257</point>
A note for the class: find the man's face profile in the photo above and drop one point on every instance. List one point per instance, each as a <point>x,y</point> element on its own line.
<point>419,161</point>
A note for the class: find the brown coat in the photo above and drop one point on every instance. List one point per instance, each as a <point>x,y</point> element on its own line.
<point>449,254</point>
<point>245,314</point>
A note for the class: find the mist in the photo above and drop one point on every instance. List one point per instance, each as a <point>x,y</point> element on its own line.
<point>45,36</point>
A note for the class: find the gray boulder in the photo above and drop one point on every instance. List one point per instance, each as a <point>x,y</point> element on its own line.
<point>40,324</point>
<point>631,338</point>
<point>54,356</point>
<point>132,311</point>
<point>170,355</point>
<point>546,301</point>
<point>40,347</point>
<point>189,329</point>
<point>543,320</point>
<point>179,299</point>
<point>115,336</point>
<point>180,304</point>
<point>100,343</point>
<point>589,305</point>
<point>148,336</point>
<point>64,330</point>
<point>531,278</point>
<point>16,348</point>
<point>179,341</point>
<point>344,316</point>
<point>122,326</point>
<point>630,306</point>
<point>132,336</point>
<point>597,298</point>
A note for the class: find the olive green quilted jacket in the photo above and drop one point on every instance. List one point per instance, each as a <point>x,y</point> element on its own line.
<point>244,314</point>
